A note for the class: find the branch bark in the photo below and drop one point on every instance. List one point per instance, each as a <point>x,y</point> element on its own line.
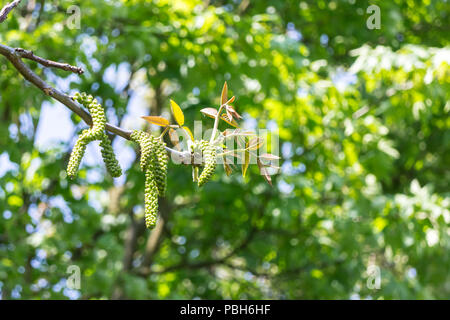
<point>48,63</point>
<point>7,9</point>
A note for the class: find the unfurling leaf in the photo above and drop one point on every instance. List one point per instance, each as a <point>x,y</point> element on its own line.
<point>227,167</point>
<point>269,156</point>
<point>159,121</point>
<point>246,160</point>
<point>177,113</point>
<point>229,115</point>
<point>255,143</point>
<point>237,132</point>
<point>174,138</point>
<point>231,122</point>
<point>224,93</point>
<point>230,110</point>
<point>189,132</point>
<point>210,112</point>
<point>264,172</point>
<point>231,100</point>
<point>195,174</point>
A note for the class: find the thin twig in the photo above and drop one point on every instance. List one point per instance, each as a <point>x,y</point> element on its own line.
<point>15,58</point>
<point>7,9</point>
<point>48,63</point>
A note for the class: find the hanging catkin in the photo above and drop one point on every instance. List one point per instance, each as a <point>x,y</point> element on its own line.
<point>153,162</point>
<point>162,160</point>
<point>96,132</point>
<point>209,158</point>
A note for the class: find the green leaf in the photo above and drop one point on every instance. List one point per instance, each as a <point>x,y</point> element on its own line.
<point>210,112</point>
<point>159,121</point>
<point>188,132</point>
<point>246,160</point>
<point>177,112</point>
<point>224,96</point>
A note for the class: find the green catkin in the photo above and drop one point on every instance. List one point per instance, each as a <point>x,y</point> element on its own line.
<point>153,162</point>
<point>209,157</point>
<point>112,165</point>
<point>162,160</point>
<point>77,154</point>
<point>151,199</point>
<point>96,132</point>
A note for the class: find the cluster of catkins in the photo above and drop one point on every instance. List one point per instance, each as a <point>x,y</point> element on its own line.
<point>154,160</point>
<point>209,156</point>
<point>95,132</point>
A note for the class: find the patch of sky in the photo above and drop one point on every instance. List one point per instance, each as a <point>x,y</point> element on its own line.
<point>117,76</point>
<point>285,187</point>
<point>342,79</point>
<point>293,33</point>
<point>55,126</point>
<point>61,204</point>
<point>6,165</point>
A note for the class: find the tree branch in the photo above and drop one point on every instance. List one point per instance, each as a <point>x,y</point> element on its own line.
<point>48,63</point>
<point>15,58</point>
<point>7,9</point>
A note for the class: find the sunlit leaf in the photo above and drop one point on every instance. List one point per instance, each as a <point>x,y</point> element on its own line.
<point>264,172</point>
<point>233,122</point>
<point>246,160</point>
<point>236,155</point>
<point>229,115</point>
<point>231,100</point>
<point>269,156</point>
<point>210,112</point>
<point>189,132</point>
<point>256,143</point>
<point>227,167</point>
<point>233,112</point>
<point>159,121</point>
<point>177,113</point>
<point>174,138</point>
<point>224,96</point>
<point>238,132</point>
<point>195,173</point>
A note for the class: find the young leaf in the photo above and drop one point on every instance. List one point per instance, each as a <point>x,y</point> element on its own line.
<point>269,156</point>
<point>230,110</point>
<point>210,112</point>
<point>235,154</point>
<point>232,122</point>
<point>189,132</point>
<point>256,143</point>
<point>224,93</point>
<point>195,174</point>
<point>246,160</point>
<point>231,100</point>
<point>159,121</point>
<point>237,132</point>
<point>264,172</point>
<point>174,138</point>
<point>227,167</point>
<point>229,114</point>
<point>177,113</point>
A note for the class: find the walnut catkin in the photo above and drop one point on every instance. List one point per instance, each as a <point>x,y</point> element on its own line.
<point>96,132</point>
<point>209,157</point>
<point>153,162</point>
<point>162,160</point>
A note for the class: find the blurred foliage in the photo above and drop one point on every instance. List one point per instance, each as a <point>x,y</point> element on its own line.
<point>363,119</point>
